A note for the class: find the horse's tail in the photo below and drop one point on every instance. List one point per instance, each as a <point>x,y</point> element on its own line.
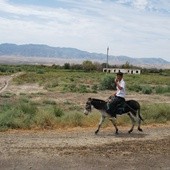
<point>139,115</point>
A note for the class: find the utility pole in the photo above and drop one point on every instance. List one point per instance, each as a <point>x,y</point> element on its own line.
<point>107,57</point>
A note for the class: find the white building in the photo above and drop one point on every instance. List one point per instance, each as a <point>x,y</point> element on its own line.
<point>126,71</point>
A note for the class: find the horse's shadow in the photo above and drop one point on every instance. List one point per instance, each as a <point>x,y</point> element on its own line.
<point>127,135</point>
<point>135,135</point>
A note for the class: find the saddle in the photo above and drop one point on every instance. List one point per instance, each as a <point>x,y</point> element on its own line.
<point>120,108</point>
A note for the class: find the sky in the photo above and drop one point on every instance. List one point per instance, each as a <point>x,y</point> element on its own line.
<point>134,28</point>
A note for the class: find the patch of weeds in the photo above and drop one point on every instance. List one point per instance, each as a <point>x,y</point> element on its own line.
<point>146,90</point>
<point>7,95</point>
<point>162,89</point>
<point>58,112</point>
<point>135,87</point>
<point>23,94</point>
<point>83,89</point>
<point>40,71</point>
<point>75,107</point>
<point>73,119</point>
<point>51,84</point>
<point>50,102</point>
<point>94,88</point>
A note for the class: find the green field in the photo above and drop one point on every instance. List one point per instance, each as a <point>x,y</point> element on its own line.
<point>24,112</point>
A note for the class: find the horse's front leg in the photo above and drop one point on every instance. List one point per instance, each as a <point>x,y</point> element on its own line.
<point>133,122</point>
<point>113,120</point>
<point>100,124</point>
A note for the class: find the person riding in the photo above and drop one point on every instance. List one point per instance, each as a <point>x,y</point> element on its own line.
<point>118,97</point>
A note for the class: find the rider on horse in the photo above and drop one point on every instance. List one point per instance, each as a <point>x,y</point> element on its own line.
<point>118,98</point>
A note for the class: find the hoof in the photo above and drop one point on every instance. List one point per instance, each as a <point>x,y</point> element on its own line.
<point>130,131</point>
<point>116,132</point>
<point>96,132</point>
<point>140,129</point>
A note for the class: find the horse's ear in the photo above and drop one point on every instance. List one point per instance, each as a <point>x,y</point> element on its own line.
<point>89,99</point>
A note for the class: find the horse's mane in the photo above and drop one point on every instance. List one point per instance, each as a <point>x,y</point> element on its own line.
<point>98,100</point>
<point>98,103</point>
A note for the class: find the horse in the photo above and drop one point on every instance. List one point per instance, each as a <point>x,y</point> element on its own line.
<point>131,108</point>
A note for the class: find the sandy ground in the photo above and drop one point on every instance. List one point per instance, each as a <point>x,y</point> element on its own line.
<point>79,148</point>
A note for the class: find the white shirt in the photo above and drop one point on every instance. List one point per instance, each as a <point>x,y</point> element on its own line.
<point>122,92</point>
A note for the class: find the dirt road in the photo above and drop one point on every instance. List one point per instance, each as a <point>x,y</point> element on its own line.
<point>81,149</point>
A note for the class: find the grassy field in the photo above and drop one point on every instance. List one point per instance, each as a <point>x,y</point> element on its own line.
<point>41,110</point>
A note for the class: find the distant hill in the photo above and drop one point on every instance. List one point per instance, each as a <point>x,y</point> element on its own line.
<point>44,52</point>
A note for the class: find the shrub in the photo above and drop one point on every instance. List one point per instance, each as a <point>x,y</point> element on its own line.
<point>7,95</point>
<point>45,119</point>
<point>146,90</point>
<point>107,83</point>
<point>73,119</point>
<point>58,112</point>
<point>135,87</point>
<point>50,102</point>
<point>51,84</point>
<point>76,88</point>
<point>20,116</point>
<point>70,87</point>
<point>156,113</point>
<point>94,88</point>
<point>28,108</point>
<point>161,89</point>
<point>82,89</point>
<point>40,71</point>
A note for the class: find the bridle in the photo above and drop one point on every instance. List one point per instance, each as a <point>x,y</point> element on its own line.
<point>88,107</point>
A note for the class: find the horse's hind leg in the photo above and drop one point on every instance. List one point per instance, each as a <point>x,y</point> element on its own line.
<point>113,120</point>
<point>133,122</point>
<point>139,128</point>
<point>139,121</point>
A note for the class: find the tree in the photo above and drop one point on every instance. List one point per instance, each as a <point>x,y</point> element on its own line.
<point>67,66</point>
<point>97,66</point>
<point>126,65</point>
<point>88,65</point>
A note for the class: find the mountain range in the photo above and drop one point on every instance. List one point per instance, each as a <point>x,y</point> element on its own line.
<point>39,54</point>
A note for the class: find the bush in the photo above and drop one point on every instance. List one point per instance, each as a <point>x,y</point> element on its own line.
<point>82,89</point>
<point>107,83</point>
<point>7,95</point>
<point>51,84</point>
<point>50,102</point>
<point>146,90</point>
<point>40,71</point>
<point>161,89</point>
<point>159,113</point>
<point>94,88</point>
<point>73,119</point>
<point>76,88</point>
<point>70,88</point>
<point>20,116</point>
<point>28,108</point>
<point>140,88</point>
<point>58,112</point>
<point>135,87</point>
<point>45,119</point>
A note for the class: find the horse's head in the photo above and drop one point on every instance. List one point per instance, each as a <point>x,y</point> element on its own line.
<point>88,106</point>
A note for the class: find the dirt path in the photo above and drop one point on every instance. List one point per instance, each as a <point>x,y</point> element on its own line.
<point>4,81</point>
<point>79,148</point>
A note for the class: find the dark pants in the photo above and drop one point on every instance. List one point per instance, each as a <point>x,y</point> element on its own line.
<point>113,105</point>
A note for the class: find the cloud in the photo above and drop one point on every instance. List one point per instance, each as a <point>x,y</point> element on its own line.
<point>139,4</point>
<point>130,27</point>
